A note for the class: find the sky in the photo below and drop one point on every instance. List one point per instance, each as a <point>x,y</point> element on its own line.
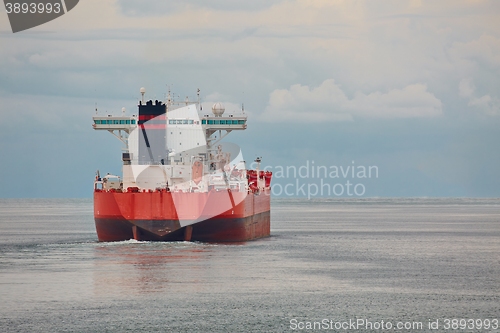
<point>410,88</point>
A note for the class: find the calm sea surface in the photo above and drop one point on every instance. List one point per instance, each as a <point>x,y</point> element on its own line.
<point>332,262</point>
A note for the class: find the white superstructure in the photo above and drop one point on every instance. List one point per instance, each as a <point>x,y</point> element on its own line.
<point>178,150</point>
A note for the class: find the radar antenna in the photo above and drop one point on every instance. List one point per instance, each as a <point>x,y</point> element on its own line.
<point>143,91</point>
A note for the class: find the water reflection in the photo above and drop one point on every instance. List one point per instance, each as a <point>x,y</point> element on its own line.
<point>150,267</point>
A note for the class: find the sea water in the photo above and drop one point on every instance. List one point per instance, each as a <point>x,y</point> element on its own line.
<point>343,265</point>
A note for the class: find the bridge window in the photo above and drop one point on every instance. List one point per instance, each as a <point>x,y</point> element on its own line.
<point>179,122</point>
<point>203,121</point>
<point>185,121</point>
<point>210,122</point>
<point>127,121</point>
<point>234,122</point>
<point>191,122</point>
<point>122,121</point>
<point>241,122</point>
<point>133,121</point>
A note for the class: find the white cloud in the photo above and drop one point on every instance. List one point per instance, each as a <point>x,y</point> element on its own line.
<point>466,88</point>
<point>485,104</point>
<point>328,102</point>
<point>485,49</point>
<point>135,8</point>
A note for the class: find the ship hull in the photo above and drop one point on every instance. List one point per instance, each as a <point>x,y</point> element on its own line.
<point>220,216</point>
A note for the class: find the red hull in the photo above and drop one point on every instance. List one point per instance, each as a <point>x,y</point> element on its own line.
<point>216,216</point>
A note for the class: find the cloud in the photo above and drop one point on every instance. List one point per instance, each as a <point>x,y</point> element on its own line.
<point>328,102</point>
<point>135,8</point>
<point>485,104</point>
<point>466,88</point>
<point>484,50</point>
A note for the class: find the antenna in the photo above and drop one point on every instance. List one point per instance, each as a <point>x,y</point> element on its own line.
<point>199,100</point>
<point>243,102</point>
<point>143,91</point>
<point>96,108</point>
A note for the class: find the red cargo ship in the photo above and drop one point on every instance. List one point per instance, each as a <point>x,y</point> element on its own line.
<point>180,182</point>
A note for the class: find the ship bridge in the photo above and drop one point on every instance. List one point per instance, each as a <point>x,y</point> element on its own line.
<point>210,123</point>
<point>171,132</point>
<point>116,125</point>
<point>126,124</point>
<point>224,123</point>
<point>218,123</point>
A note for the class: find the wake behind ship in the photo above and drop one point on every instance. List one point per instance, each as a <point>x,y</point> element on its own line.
<point>180,181</point>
